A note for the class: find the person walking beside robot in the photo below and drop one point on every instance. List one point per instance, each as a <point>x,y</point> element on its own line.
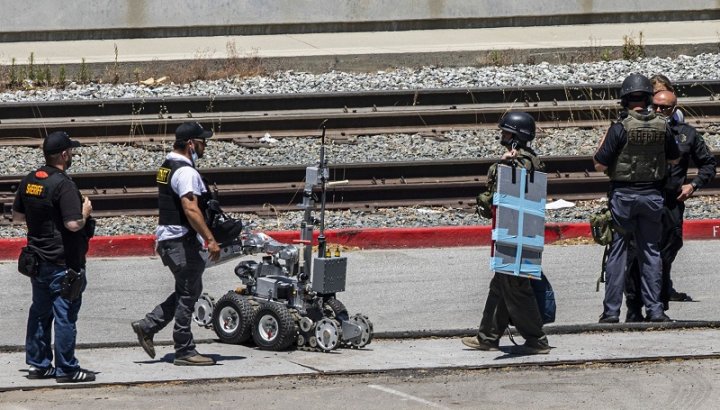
<point>183,198</point>
<point>677,190</point>
<point>510,298</point>
<point>634,153</point>
<point>59,227</point>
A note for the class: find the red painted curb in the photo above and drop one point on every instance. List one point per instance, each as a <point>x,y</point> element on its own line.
<point>370,238</point>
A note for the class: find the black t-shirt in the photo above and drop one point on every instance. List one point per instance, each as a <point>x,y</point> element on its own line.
<point>66,200</point>
<point>609,151</point>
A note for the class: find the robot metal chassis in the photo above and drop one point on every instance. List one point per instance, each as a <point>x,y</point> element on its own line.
<point>278,304</point>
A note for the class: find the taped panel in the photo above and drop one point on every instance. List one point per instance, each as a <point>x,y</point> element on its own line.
<point>519,231</point>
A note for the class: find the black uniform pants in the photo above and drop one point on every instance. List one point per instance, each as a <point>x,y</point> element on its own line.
<point>183,258</point>
<point>511,298</point>
<point>670,245</point>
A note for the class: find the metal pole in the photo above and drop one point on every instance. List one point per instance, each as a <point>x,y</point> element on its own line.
<point>323,168</point>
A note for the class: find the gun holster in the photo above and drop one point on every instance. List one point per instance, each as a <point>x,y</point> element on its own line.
<point>73,284</point>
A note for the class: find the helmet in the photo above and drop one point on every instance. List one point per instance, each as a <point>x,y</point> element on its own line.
<point>520,124</point>
<point>636,83</point>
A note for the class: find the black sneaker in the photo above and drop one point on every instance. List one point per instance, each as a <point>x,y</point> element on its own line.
<point>535,348</point>
<point>662,317</point>
<point>608,319</point>
<point>634,316</point>
<point>676,296</point>
<point>145,340</point>
<point>80,376</point>
<point>38,373</point>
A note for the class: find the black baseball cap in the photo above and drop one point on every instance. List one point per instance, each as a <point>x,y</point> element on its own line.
<point>58,141</point>
<point>190,131</point>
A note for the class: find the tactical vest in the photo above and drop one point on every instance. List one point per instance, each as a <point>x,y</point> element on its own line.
<point>525,158</point>
<point>44,222</point>
<point>169,205</point>
<point>642,159</point>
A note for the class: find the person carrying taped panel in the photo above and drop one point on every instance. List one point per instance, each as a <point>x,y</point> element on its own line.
<point>677,189</point>
<point>183,198</point>
<point>634,153</point>
<point>59,228</point>
<point>510,298</point>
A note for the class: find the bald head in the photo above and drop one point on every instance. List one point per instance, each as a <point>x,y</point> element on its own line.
<point>664,98</point>
<point>664,102</point>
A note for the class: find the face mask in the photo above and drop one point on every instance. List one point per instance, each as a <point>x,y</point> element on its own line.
<point>509,143</point>
<point>194,156</point>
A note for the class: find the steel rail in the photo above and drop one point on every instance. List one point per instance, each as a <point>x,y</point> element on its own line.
<point>375,112</point>
<point>270,189</point>
<point>307,121</point>
<point>94,107</point>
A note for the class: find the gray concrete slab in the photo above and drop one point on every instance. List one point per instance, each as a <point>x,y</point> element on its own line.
<point>412,42</point>
<point>577,348</point>
<point>131,365</point>
<point>47,15</point>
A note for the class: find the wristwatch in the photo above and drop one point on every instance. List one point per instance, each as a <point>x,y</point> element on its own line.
<point>694,185</point>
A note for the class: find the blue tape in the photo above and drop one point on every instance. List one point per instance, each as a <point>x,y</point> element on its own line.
<point>525,269</point>
<point>523,206</point>
<point>502,236</point>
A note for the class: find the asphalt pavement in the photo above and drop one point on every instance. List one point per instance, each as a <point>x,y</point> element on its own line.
<point>428,292</point>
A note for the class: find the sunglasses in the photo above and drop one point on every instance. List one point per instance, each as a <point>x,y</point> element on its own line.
<point>664,107</point>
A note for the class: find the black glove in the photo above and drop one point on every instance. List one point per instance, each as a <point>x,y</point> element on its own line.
<point>90,227</point>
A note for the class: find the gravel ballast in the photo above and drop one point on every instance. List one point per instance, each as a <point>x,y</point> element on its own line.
<point>459,144</point>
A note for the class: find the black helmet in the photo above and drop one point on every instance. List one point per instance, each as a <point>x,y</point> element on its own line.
<point>520,124</point>
<point>636,83</point>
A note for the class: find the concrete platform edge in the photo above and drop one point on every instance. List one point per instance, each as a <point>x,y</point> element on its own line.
<point>398,356</point>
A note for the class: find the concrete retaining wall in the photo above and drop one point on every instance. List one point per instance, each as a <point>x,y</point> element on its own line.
<point>95,19</point>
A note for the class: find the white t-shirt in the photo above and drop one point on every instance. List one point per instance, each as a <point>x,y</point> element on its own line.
<point>183,181</point>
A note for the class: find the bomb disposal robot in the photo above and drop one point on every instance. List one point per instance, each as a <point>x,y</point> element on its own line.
<point>289,297</point>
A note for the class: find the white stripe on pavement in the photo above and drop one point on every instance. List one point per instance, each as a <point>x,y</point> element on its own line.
<point>406,396</point>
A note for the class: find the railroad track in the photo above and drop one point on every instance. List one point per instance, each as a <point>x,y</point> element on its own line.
<point>270,189</point>
<point>244,118</point>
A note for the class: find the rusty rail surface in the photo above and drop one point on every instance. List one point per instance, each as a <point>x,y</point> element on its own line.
<point>247,117</point>
<point>263,189</point>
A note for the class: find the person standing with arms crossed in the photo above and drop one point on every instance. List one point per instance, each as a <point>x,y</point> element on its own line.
<point>634,153</point>
<point>183,197</point>
<point>57,216</point>
<point>677,189</point>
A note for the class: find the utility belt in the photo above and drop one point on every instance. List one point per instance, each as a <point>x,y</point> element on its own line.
<point>188,236</point>
<point>188,239</point>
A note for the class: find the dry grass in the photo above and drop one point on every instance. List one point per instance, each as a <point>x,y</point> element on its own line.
<point>631,49</point>
<point>234,65</point>
<point>204,66</point>
<point>575,241</point>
